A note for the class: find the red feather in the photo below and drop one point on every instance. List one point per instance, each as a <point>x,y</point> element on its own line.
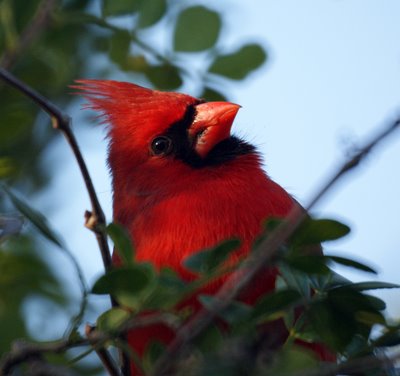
<point>171,208</point>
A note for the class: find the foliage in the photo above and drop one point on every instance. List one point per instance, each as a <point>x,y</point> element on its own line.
<point>49,44</point>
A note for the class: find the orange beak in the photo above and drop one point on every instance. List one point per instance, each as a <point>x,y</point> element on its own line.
<point>212,124</point>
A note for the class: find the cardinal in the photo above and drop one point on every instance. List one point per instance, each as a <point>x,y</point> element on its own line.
<point>183,183</point>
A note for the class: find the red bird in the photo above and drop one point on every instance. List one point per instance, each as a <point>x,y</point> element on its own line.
<point>182,182</point>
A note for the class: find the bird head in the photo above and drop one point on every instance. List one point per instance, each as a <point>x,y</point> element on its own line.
<point>150,128</point>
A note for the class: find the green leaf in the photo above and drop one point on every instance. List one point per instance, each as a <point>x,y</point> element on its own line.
<point>310,264</point>
<point>208,260</point>
<point>335,327</point>
<point>170,290</point>
<point>388,339</point>
<point>153,351</point>
<point>165,77</point>
<point>240,63</point>
<point>370,285</point>
<point>130,285</point>
<point>122,242</point>
<point>118,7</point>
<point>151,12</point>
<point>209,339</point>
<point>350,263</point>
<point>352,302</point>
<point>36,218</point>
<point>235,312</point>
<point>120,46</point>
<point>291,360</point>
<point>276,301</point>
<point>212,95</point>
<point>295,280</point>
<point>197,29</point>
<point>314,231</point>
<point>112,319</point>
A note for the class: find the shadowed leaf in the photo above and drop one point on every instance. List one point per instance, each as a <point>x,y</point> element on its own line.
<point>208,260</point>
<point>165,77</point>
<point>197,29</point>
<point>151,12</point>
<point>118,7</point>
<point>240,63</point>
<point>122,242</point>
<point>314,231</point>
<point>36,218</point>
<point>112,319</point>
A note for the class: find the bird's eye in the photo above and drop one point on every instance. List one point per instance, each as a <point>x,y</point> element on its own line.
<point>161,145</point>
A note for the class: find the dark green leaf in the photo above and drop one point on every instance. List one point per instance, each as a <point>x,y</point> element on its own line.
<point>170,290</point>
<point>240,63</point>
<point>122,242</point>
<point>36,218</point>
<point>334,327</point>
<point>309,264</point>
<point>276,301</point>
<point>370,318</point>
<point>118,7</point>
<point>112,319</point>
<point>165,77</point>
<point>314,231</point>
<point>210,339</point>
<point>197,29</point>
<point>208,260</point>
<point>376,303</point>
<point>129,285</point>
<point>295,280</point>
<point>153,352</point>
<point>372,285</point>
<point>120,45</point>
<point>388,339</point>
<point>291,360</point>
<point>212,95</point>
<point>235,312</point>
<point>349,300</point>
<point>151,12</point>
<point>351,263</point>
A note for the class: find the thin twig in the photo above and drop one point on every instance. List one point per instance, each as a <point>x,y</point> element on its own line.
<point>104,355</point>
<point>22,351</point>
<point>257,260</point>
<point>38,23</point>
<point>95,220</point>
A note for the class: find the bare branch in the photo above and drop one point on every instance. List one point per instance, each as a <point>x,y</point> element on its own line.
<point>104,355</point>
<point>23,351</point>
<point>258,260</point>
<point>62,122</point>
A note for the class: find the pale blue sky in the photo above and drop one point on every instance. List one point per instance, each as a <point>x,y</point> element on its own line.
<point>333,75</point>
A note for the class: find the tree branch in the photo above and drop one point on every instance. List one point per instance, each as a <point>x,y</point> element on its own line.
<point>104,355</point>
<point>95,220</point>
<point>258,260</point>
<point>22,351</point>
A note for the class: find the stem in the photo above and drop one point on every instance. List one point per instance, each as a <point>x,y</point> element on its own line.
<point>95,220</point>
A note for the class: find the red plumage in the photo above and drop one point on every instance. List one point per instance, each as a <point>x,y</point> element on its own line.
<point>209,188</point>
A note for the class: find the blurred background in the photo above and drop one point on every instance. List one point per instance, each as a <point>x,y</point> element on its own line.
<point>315,81</point>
